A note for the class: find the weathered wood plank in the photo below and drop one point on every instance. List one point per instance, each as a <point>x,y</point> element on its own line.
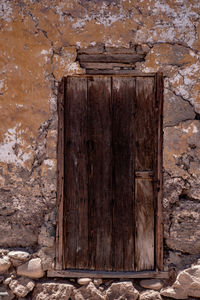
<point>76,190</point>
<point>144,222</point>
<point>128,72</point>
<point>103,274</point>
<point>123,98</point>
<point>159,153</point>
<point>110,58</point>
<point>105,66</point>
<point>100,179</point>
<point>134,73</point>
<point>144,118</point>
<point>60,177</point>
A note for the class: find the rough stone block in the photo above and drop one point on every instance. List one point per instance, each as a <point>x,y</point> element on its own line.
<point>122,290</point>
<point>89,292</point>
<point>53,291</point>
<point>186,285</point>
<point>150,295</point>
<point>4,264</point>
<point>21,286</point>
<point>153,284</point>
<point>32,269</point>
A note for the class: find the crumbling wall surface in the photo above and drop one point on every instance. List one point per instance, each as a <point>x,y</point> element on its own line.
<point>38,46</point>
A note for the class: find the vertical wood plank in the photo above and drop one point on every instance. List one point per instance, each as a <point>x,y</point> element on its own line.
<point>76,189</point>
<point>99,172</point>
<point>145,123</point>
<point>144,222</point>
<point>145,160</point>
<point>159,219</point>
<point>60,177</point>
<point>123,98</point>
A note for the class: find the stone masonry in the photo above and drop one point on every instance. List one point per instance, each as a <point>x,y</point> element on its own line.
<point>39,43</point>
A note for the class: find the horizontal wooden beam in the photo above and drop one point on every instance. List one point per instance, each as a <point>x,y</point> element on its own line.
<point>133,74</point>
<point>111,58</point>
<point>103,274</point>
<point>105,66</point>
<point>118,72</point>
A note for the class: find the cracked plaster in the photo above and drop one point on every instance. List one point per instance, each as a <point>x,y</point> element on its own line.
<point>38,44</point>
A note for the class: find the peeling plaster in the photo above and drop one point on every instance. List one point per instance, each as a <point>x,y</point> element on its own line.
<point>10,148</point>
<point>6,11</point>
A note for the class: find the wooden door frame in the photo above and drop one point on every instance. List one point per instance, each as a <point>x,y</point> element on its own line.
<point>60,191</point>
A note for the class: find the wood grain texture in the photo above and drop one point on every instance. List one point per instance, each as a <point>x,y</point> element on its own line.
<point>103,274</point>
<point>99,173</point>
<point>122,72</point>
<point>112,126</point>
<point>145,124</point>
<point>159,153</point>
<point>76,188</point>
<point>105,66</point>
<point>60,177</point>
<point>123,100</point>
<point>110,58</point>
<point>144,222</point>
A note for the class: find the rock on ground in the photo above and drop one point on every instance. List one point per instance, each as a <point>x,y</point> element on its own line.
<point>187,284</point>
<point>21,286</point>
<point>89,292</point>
<point>53,291</point>
<point>122,290</point>
<point>153,284</point>
<point>84,281</point>
<point>150,295</point>
<point>32,269</point>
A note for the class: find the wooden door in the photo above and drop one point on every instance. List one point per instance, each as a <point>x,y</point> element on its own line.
<point>111,169</point>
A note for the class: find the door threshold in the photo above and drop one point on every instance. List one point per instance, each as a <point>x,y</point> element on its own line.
<point>106,274</point>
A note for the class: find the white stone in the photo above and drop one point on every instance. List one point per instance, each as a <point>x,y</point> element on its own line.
<point>4,264</point>
<point>153,284</point>
<point>32,269</point>
<point>150,295</point>
<point>21,286</point>
<point>84,281</point>
<point>19,255</point>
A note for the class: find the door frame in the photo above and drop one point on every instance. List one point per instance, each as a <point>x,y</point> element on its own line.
<point>60,191</point>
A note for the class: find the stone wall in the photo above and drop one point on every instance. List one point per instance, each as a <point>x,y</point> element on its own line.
<point>39,41</point>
